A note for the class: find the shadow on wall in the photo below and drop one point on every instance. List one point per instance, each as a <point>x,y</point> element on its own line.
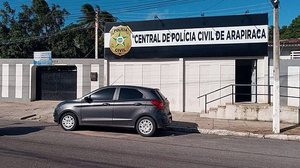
<point>15,131</point>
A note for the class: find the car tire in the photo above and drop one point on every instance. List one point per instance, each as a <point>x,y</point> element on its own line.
<point>69,122</point>
<point>146,126</point>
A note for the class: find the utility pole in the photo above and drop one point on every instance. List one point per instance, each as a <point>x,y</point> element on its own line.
<point>96,32</point>
<point>276,67</point>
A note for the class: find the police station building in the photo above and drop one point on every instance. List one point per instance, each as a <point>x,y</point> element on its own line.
<point>184,58</point>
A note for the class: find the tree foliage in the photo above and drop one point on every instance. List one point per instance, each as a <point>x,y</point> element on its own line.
<point>41,27</point>
<point>287,32</point>
<point>291,31</point>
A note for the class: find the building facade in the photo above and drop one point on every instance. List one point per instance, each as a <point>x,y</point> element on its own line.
<point>165,54</point>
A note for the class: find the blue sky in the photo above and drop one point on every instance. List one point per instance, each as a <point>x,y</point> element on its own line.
<point>134,10</point>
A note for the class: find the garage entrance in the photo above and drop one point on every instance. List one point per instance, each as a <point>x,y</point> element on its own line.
<point>245,73</point>
<point>56,82</point>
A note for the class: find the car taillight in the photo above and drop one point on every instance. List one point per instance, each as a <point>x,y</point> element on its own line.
<point>158,104</point>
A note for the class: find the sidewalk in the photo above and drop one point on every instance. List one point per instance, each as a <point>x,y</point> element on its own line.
<point>182,121</point>
<point>257,129</point>
<point>38,110</point>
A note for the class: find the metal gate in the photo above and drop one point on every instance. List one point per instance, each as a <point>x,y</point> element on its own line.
<point>56,82</point>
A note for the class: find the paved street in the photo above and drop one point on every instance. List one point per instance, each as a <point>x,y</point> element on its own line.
<point>37,144</point>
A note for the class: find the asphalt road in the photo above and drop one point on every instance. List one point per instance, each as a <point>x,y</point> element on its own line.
<point>35,144</point>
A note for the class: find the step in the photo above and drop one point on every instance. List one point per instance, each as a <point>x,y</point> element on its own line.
<point>253,111</point>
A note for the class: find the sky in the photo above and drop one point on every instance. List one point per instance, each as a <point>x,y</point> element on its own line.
<point>138,10</point>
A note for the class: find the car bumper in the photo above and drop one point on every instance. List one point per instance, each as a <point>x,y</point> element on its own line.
<point>164,121</point>
<point>55,117</point>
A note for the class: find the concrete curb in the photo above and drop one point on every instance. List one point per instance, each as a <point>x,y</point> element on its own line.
<point>234,133</point>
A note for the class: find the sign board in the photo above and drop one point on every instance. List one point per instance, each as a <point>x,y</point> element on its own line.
<point>42,58</point>
<point>240,35</point>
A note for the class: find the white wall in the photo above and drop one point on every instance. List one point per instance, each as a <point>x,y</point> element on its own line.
<point>96,69</point>
<point>206,76</point>
<point>5,80</point>
<point>79,80</point>
<point>200,77</point>
<point>18,79</point>
<point>294,81</point>
<point>164,75</point>
<point>262,79</point>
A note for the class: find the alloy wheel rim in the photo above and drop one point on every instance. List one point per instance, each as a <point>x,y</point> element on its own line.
<point>68,121</point>
<point>145,126</point>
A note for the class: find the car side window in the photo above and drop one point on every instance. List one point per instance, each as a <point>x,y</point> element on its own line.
<point>104,94</point>
<point>130,94</point>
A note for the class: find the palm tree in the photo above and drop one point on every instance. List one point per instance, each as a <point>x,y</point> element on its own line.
<point>88,19</point>
<point>89,13</point>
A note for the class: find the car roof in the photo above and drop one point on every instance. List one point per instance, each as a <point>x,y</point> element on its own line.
<point>130,86</point>
<point>120,86</point>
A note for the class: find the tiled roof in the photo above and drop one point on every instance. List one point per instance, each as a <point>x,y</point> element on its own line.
<point>288,42</point>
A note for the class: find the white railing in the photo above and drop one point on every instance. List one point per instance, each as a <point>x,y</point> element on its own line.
<point>295,54</point>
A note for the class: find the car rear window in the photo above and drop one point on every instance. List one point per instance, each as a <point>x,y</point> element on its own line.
<point>130,94</point>
<point>157,95</point>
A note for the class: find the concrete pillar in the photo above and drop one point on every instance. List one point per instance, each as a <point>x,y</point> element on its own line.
<point>182,84</point>
<point>106,72</point>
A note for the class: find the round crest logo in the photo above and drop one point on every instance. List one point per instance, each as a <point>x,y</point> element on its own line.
<point>120,40</point>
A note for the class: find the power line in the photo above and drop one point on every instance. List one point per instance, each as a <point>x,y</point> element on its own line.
<point>24,39</point>
<point>144,6</point>
<point>129,10</point>
<point>132,9</point>
<point>243,8</point>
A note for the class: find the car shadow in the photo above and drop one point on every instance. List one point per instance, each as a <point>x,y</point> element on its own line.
<point>177,128</point>
<point>107,129</point>
<point>15,131</point>
<point>184,126</point>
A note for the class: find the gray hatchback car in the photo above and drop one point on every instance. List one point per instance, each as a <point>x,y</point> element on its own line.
<point>144,109</point>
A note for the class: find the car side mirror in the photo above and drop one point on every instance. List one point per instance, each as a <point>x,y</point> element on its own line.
<point>88,99</point>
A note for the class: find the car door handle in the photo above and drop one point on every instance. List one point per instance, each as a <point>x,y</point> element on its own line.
<point>137,104</point>
<point>105,104</point>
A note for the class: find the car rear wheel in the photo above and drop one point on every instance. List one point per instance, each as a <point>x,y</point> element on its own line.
<point>69,122</point>
<point>146,126</point>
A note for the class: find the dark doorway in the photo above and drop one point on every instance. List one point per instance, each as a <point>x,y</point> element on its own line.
<point>56,82</point>
<point>244,71</point>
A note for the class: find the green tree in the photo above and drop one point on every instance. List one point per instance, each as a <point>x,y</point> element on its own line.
<point>45,19</point>
<point>271,33</point>
<point>41,27</point>
<point>84,39</point>
<point>88,13</point>
<point>79,39</point>
<point>291,31</point>
<point>7,16</point>
<point>283,32</point>
<point>22,35</point>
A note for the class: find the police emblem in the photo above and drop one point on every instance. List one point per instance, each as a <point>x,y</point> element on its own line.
<point>120,40</point>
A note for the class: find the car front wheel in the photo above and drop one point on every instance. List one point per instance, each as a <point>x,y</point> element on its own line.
<point>69,122</point>
<point>146,126</point>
